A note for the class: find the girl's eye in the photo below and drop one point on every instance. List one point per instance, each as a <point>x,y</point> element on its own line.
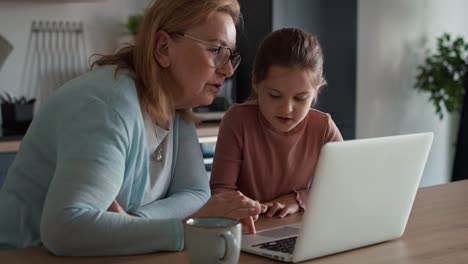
<point>300,99</point>
<point>274,96</point>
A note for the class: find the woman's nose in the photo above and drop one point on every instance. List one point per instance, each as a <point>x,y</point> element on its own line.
<point>227,70</point>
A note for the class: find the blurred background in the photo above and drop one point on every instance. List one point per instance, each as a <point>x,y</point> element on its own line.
<point>372,52</point>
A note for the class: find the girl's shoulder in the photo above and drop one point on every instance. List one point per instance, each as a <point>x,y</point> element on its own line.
<point>320,121</point>
<point>242,112</point>
<point>319,114</point>
<point>317,118</point>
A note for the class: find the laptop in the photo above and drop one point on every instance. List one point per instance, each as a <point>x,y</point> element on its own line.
<point>362,194</point>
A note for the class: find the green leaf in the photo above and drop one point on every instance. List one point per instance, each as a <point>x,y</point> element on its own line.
<point>133,23</point>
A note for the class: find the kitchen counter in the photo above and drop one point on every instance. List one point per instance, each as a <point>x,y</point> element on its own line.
<point>9,142</point>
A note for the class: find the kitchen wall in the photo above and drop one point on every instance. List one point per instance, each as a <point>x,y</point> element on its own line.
<point>103,25</point>
<point>392,38</point>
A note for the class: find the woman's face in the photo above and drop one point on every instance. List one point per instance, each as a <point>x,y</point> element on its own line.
<point>285,96</point>
<point>192,63</point>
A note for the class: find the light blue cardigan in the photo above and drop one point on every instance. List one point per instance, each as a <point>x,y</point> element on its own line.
<point>85,148</point>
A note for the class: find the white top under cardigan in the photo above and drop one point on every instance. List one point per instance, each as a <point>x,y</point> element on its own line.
<point>160,170</point>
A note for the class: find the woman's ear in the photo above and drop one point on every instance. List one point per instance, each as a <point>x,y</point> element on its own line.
<point>161,48</point>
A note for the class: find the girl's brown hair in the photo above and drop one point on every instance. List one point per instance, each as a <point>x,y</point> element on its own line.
<point>289,47</point>
<point>171,16</point>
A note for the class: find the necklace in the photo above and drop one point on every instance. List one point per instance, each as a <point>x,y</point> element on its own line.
<point>158,152</point>
<point>160,135</point>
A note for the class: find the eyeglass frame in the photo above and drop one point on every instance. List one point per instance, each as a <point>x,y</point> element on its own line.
<point>232,54</point>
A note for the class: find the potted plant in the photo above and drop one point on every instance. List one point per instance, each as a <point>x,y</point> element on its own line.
<point>132,25</point>
<point>442,74</point>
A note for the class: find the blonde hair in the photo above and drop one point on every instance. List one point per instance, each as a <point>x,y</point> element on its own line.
<point>289,47</point>
<point>171,16</point>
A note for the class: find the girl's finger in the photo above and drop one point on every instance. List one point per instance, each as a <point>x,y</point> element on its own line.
<point>274,209</point>
<point>286,211</point>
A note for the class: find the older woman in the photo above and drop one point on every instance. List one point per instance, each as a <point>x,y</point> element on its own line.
<point>119,139</point>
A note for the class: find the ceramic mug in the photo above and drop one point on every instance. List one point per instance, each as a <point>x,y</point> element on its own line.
<point>211,240</point>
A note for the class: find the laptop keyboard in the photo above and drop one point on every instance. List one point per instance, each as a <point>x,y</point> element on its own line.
<point>285,245</point>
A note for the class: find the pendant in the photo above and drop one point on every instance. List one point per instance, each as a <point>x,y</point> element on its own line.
<point>159,155</point>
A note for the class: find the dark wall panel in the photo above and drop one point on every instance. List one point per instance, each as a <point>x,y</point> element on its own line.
<point>460,167</point>
<point>257,24</point>
<point>336,29</point>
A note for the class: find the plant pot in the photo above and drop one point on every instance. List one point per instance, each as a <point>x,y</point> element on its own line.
<point>17,117</point>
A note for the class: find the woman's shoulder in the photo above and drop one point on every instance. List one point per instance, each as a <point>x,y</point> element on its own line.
<point>116,89</point>
<point>100,84</point>
<point>101,89</point>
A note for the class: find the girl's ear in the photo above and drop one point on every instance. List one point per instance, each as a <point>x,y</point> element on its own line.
<point>161,48</point>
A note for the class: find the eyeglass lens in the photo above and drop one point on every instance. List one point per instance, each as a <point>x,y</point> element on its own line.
<point>224,56</point>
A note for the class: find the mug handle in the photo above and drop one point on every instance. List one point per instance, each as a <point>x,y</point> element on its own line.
<point>230,245</point>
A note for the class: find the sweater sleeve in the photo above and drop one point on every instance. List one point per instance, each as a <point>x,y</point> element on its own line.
<point>91,153</point>
<point>302,197</point>
<point>188,190</point>
<point>227,160</point>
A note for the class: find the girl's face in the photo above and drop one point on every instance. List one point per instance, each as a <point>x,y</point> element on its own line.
<point>285,96</point>
<point>192,67</point>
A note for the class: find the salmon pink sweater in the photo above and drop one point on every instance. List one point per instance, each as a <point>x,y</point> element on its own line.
<point>263,163</point>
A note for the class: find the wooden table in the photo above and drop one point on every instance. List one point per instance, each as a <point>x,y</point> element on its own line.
<point>437,232</point>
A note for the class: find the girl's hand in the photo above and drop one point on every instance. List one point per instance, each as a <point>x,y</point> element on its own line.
<point>283,206</point>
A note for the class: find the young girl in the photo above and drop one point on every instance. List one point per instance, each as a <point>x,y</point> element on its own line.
<point>268,147</point>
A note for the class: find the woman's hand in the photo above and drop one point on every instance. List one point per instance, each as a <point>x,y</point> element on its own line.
<point>283,206</point>
<point>233,205</point>
<point>248,223</point>
<point>116,208</point>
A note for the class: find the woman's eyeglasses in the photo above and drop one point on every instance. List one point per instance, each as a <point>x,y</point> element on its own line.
<point>223,54</point>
